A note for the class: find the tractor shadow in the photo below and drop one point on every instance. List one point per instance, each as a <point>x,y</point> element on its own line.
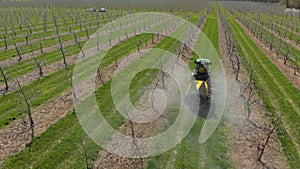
<point>207,112</point>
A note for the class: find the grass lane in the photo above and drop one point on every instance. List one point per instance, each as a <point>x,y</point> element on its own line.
<point>52,85</point>
<point>278,93</point>
<point>189,153</point>
<point>44,154</point>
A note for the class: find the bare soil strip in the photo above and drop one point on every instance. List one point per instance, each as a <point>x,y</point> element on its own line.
<point>27,56</point>
<point>244,135</point>
<point>291,42</point>
<point>12,46</point>
<point>15,136</point>
<point>283,27</point>
<point>47,70</point>
<point>107,160</point>
<point>286,70</point>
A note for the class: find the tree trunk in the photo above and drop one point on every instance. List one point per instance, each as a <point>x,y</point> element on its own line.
<point>28,109</point>
<point>5,80</point>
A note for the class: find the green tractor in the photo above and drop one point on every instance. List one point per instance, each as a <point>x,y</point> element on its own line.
<point>199,90</point>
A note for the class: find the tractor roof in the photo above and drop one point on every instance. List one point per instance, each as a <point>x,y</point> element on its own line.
<point>203,60</point>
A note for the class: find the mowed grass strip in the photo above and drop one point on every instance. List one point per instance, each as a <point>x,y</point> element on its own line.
<point>41,91</point>
<point>55,150</point>
<point>278,93</point>
<point>44,151</point>
<point>293,52</point>
<point>63,25</point>
<point>9,53</point>
<point>189,153</point>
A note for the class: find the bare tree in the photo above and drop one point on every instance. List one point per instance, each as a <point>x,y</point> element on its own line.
<point>295,67</point>
<point>63,55</point>
<point>5,41</point>
<point>4,79</point>
<point>164,75</point>
<point>152,38</point>
<point>286,57</point>
<point>248,94</point>
<point>39,65</point>
<point>75,37</point>
<point>100,75</point>
<point>41,46</point>
<point>87,33</point>
<point>26,99</point>
<point>271,43</point>
<point>134,140</point>
<point>139,43</point>
<point>45,21</point>
<point>18,51</point>
<point>238,67</point>
<point>85,154</point>
<point>116,60</point>
<point>264,142</point>
<point>279,48</point>
<point>27,38</point>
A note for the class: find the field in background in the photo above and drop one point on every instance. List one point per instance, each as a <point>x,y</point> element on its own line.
<point>40,43</point>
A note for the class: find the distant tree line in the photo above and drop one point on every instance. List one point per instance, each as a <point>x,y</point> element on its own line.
<point>285,3</point>
<point>291,3</point>
<point>155,4</point>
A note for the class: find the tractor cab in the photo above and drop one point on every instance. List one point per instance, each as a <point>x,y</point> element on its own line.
<point>202,61</point>
<point>201,72</point>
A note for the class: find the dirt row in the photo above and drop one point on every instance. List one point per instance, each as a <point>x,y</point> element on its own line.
<point>36,53</point>
<point>286,70</point>
<point>59,22</point>
<point>107,160</point>
<point>47,70</point>
<point>32,41</point>
<point>14,137</point>
<point>245,135</point>
<point>289,41</point>
<point>29,55</point>
<point>297,33</point>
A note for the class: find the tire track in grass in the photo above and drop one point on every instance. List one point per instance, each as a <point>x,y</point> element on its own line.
<point>266,80</point>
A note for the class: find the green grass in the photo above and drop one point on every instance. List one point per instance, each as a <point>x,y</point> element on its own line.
<point>277,92</point>
<point>189,153</point>
<point>59,146</point>
<point>52,85</point>
<point>44,154</point>
<point>58,150</point>
<point>9,53</point>
<point>293,52</point>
